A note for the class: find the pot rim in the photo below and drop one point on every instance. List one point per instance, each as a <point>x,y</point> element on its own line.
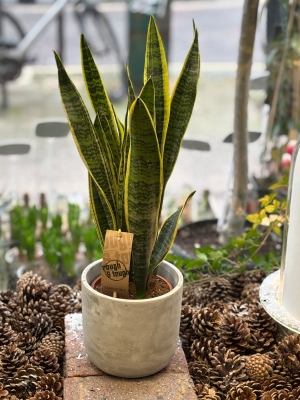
<point>130,301</point>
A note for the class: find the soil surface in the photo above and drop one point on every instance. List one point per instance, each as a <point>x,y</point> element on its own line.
<point>156,287</point>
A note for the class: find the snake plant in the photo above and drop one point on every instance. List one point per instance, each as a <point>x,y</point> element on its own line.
<point>129,164</point>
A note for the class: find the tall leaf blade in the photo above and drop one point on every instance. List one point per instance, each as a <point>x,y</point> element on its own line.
<point>95,88</point>
<point>182,104</point>
<point>84,134</point>
<point>131,95</point>
<point>156,67</point>
<point>167,236</point>
<point>143,187</point>
<point>148,97</point>
<point>115,148</point>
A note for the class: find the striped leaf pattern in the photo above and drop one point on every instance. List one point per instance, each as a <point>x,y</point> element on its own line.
<point>97,211</point>
<point>143,187</point>
<point>95,88</point>
<point>84,135</point>
<point>166,236</point>
<point>147,95</point>
<point>156,68</point>
<point>182,104</point>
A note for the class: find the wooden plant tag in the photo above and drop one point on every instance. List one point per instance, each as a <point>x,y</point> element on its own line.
<point>116,263</point>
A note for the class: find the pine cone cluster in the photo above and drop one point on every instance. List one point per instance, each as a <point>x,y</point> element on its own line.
<point>234,354</point>
<point>32,338</point>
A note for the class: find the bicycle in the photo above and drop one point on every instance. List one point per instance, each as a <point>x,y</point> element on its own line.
<point>93,24</point>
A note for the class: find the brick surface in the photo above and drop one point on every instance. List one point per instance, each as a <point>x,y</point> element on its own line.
<point>85,381</point>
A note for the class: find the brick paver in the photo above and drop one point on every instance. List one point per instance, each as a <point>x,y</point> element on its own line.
<point>84,381</point>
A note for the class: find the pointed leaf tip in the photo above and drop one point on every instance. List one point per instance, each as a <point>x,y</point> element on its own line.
<point>58,60</point>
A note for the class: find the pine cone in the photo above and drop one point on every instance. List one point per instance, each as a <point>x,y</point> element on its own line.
<point>4,312</point>
<point>191,295</point>
<point>226,367</point>
<point>206,322</point>
<point>259,367</point>
<point>45,359</point>
<point>186,333</point>
<point>277,382</point>
<point>241,393</point>
<point>201,348</point>
<point>256,276</point>
<point>296,392</point>
<point>238,309</point>
<point>45,395</point>
<point>289,349</point>
<point>278,395</point>
<point>219,289</point>
<point>38,325</point>
<point>254,386</point>
<point>55,342</point>
<point>77,287</point>
<point>238,282</point>
<point>63,289</point>
<point>76,302</point>
<point>7,335</point>
<point>3,393</point>
<point>261,341</point>
<point>234,333</point>
<point>12,358</point>
<point>250,293</point>
<point>259,319</point>
<point>25,381</point>
<point>219,306</point>
<point>51,382</point>
<point>59,307</point>
<point>199,371</point>
<point>32,287</point>
<point>26,342</point>
<point>207,393</point>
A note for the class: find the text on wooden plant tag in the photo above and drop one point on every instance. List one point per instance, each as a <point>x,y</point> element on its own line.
<point>116,263</point>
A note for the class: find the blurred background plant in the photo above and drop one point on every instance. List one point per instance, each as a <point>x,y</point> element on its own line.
<point>57,247</point>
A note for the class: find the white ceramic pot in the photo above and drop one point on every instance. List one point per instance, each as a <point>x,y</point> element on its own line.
<point>131,338</point>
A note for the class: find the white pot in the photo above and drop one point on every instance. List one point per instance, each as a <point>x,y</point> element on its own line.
<point>131,338</point>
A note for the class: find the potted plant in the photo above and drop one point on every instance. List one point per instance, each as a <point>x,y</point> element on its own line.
<point>128,167</point>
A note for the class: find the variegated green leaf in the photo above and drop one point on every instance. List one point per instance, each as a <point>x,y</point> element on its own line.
<point>84,135</point>
<point>97,211</point>
<point>182,104</point>
<point>115,147</point>
<point>147,95</point>
<point>143,186</point>
<point>156,68</point>
<point>95,88</point>
<point>166,236</point>
<point>131,95</point>
<point>120,126</point>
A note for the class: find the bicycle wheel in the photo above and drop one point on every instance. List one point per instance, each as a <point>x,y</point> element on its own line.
<point>11,31</point>
<point>10,35</point>
<point>104,45</point>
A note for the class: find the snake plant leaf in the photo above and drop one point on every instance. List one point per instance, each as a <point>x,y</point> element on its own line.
<point>106,151</point>
<point>182,103</point>
<point>166,236</point>
<point>120,126</point>
<point>98,211</point>
<point>131,95</point>
<point>115,148</point>
<point>84,135</point>
<point>147,95</point>
<point>156,67</point>
<point>143,188</point>
<point>95,88</point>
